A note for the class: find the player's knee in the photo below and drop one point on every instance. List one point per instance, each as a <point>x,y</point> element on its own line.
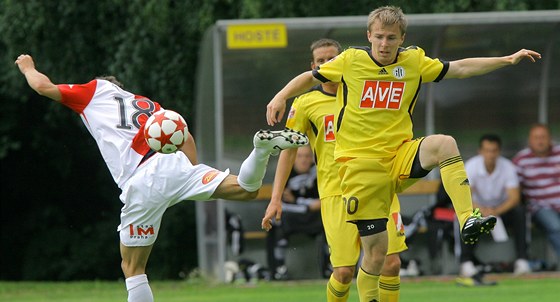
<point>129,268</point>
<point>392,265</point>
<point>343,274</point>
<point>448,141</point>
<point>245,195</point>
<point>441,146</point>
<point>126,268</point>
<point>446,144</point>
<point>251,195</point>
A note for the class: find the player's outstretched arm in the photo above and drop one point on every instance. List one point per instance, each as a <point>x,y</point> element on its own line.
<point>274,210</point>
<point>36,80</point>
<point>470,67</point>
<point>298,85</point>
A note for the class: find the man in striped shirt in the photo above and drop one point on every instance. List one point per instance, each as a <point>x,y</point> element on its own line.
<point>538,167</point>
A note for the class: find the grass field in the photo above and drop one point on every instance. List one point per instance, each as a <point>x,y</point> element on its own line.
<point>541,287</point>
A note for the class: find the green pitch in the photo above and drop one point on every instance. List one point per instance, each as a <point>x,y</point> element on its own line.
<point>542,288</point>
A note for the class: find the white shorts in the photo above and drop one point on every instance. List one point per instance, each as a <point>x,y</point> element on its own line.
<point>159,183</point>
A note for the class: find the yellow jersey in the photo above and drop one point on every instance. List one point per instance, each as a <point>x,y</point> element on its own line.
<point>376,102</point>
<point>313,113</point>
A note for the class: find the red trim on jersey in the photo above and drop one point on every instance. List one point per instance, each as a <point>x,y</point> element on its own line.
<point>139,142</point>
<point>77,97</point>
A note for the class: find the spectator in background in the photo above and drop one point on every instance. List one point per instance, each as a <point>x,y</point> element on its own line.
<point>495,191</point>
<point>538,167</point>
<point>301,208</point>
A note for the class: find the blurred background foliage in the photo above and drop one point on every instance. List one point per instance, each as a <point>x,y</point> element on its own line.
<point>59,204</point>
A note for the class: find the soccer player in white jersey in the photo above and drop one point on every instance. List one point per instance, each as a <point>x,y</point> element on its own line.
<point>151,182</point>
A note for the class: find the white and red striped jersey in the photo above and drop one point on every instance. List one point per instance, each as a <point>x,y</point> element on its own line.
<point>540,178</point>
<point>115,118</point>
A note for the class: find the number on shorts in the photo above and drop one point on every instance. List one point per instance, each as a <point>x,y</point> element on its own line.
<point>351,204</point>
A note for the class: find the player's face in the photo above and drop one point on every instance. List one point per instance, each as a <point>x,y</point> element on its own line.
<point>322,55</point>
<point>385,41</point>
<point>539,141</point>
<point>490,151</point>
<point>304,160</point>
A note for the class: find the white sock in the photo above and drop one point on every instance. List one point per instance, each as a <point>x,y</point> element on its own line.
<point>253,169</point>
<point>138,289</point>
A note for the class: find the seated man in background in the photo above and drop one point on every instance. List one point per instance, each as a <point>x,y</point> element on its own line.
<point>538,167</point>
<point>301,214</point>
<point>495,191</point>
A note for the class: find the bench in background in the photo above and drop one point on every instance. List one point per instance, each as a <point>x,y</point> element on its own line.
<point>422,187</point>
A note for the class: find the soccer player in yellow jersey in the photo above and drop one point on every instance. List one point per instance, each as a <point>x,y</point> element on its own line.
<point>313,114</point>
<point>374,141</point>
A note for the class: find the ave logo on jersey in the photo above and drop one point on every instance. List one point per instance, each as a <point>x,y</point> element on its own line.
<point>328,122</point>
<point>382,94</point>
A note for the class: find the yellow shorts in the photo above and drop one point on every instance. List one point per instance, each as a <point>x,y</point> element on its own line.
<point>369,184</point>
<point>343,237</point>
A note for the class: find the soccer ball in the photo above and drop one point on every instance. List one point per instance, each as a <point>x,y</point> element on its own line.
<point>166,131</point>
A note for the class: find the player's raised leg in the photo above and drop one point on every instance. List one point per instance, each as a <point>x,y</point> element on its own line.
<point>253,168</point>
<point>442,150</point>
<point>266,143</point>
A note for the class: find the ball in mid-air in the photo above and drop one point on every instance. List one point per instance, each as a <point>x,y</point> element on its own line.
<point>166,131</point>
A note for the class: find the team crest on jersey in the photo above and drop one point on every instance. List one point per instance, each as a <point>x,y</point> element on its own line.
<point>398,72</point>
<point>382,94</point>
<point>328,122</point>
<point>209,176</point>
<point>292,112</point>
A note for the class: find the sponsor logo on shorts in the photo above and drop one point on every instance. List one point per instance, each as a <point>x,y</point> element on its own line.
<point>382,95</point>
<point>397,218</point>
<point>209,176</point>
<point>141,231</point>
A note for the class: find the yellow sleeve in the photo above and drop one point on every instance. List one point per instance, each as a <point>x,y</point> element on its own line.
<point>432,70</point>
<point>296,117</point>
<point>331,71</point>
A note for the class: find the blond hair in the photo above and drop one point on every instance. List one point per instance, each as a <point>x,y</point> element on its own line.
<point>388,15</point>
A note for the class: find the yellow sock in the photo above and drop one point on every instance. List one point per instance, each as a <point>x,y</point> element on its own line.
<point>336,291</point>
<point>368,286</point>
<point>389,288</point>
<point>456,184</point>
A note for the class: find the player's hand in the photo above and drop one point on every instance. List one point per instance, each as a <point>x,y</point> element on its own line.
<point>274,210</point>
<point>275,110</point>
<point>525,53</point>
<point>24,62</point>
